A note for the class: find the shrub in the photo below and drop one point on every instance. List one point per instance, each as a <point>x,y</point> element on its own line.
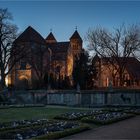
<point>51,129</point>
<point>60,134</point>
<point>133,111</point>
<point>77,115</point>
<point>91,119</point>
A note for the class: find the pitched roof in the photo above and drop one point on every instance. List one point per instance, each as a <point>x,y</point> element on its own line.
<point>51,37</point>
<point>95,58</point>
<point>133,67</point>
<point>59,46</point>
<point>59,50</point>
<point>75,35</point>
<point>30,35</point>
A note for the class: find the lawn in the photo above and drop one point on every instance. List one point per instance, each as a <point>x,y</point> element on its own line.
<point>11,114</point>
<point>39,130</point>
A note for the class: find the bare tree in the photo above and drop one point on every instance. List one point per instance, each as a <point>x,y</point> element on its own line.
<point>10,54</point>
<point>116,47</point>
<point>38,63</point>
<point>7,35</point>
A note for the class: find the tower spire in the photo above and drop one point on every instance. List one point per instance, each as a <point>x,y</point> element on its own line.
<point>76,35</point>
<point>50,38</point>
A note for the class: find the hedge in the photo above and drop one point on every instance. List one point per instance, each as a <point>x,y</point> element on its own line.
<point>91,120</point>
<point>61,134</point>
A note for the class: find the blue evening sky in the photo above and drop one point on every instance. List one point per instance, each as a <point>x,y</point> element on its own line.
<point>64,16</point>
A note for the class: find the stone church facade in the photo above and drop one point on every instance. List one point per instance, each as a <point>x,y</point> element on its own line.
<point>43,56</point>
<point>107,74</point>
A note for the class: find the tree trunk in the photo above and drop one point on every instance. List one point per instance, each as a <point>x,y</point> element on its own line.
<point>3,83</point>
<point>41,82</point>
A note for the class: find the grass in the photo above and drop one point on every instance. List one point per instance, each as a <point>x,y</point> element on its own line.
<point>20,113</point>
<point>12,114</point>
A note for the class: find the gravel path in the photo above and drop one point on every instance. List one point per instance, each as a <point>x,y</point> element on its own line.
<point>123,130</point>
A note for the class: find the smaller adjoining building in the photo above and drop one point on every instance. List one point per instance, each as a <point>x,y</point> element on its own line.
<point>108,73</point>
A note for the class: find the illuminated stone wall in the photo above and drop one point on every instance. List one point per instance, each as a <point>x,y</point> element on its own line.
<point>106,77</point>
<point>58,68</point>
<point>24,74</point>
<point>76,46</point>
<point>61,67</point>
<point>69,63</point>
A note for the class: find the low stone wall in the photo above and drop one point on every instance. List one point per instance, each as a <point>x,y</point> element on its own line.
<point>89,98</point>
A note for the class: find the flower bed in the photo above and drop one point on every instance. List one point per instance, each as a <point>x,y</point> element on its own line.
<point>66,132</point>
<point>107,118</point>
<point>114,109</point>
<point>39,128</point>
<point>77,115</point>
<point>22,123</point>
<point>133,111</point>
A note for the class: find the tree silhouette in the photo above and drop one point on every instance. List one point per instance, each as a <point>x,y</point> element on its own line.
<point>8,33</point>
<point>80,71</point>
<point>115,47</point>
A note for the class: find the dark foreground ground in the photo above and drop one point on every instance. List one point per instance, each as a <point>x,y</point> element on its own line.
<point>123,130</point>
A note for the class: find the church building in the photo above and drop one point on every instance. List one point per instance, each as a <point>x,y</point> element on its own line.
<point>43,56</point>
<point>108,73</point>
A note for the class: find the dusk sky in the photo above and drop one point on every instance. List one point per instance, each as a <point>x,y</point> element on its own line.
<point>62,16</point>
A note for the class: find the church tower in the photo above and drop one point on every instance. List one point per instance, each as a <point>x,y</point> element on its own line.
<point>50,38</point>
<point>76,43</point>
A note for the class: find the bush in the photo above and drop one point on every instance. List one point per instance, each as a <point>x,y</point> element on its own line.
<point>50,129</point>
<point>103,122</point>
<point>56,135</point>
<point>133,111</point>
<point>77,115</point>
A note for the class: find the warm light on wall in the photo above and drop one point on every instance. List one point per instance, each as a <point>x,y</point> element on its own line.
<point>70,66</point>
<point>7,81</point>
<point>23,77</point>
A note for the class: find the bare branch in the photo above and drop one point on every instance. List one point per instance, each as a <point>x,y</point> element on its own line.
<point>119,45</point>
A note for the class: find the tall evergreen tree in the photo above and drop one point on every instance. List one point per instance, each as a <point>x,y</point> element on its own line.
<point>84,71</point>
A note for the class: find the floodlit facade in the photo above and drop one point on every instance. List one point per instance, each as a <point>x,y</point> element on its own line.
<point>107,74</point>
<point>44,56</point>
